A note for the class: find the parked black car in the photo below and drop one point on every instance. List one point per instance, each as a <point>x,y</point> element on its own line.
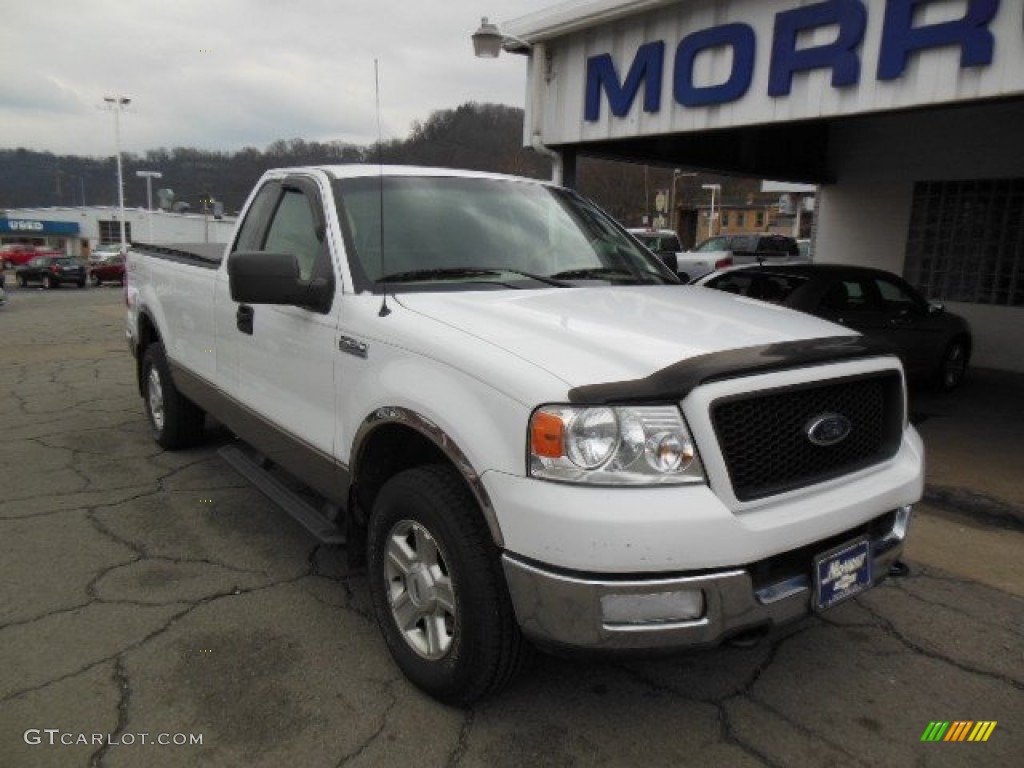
<point>51,271</point>
<point>935,345</point>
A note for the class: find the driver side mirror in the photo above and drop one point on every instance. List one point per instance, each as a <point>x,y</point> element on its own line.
<point>259,277</point>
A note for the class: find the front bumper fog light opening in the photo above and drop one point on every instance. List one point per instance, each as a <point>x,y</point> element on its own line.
<point>634,610</point>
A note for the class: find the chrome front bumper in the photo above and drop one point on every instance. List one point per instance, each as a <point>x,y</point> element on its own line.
<point>597,613</point>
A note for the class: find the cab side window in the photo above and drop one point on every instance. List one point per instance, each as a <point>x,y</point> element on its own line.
<point>293,230</point>
<point>250,234</point>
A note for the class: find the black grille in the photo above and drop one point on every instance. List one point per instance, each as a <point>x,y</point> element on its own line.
<point>764,440</point>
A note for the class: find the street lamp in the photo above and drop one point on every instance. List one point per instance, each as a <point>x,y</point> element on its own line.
<point>488,41</point>
<point>711,216</point>
<point>116,104</point>
<point>149,176</point>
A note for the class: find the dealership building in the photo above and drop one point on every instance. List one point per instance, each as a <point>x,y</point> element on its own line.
<point>908,116</point>
<point>76,231</point>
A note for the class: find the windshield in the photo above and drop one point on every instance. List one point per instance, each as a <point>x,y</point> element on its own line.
<point>713,244</point>
<point>659,242</point>
<point>483,233</point>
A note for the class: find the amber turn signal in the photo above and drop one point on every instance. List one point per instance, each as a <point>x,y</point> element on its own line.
<point>547,435</point>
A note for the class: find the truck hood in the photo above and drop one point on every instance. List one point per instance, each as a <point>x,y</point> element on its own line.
<point>604,334</point>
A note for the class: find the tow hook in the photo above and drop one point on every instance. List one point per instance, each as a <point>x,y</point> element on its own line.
<point>899,570</point>
<point>748,638</point>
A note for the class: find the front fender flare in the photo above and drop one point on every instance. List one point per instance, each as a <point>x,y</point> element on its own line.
<point>419,423</point>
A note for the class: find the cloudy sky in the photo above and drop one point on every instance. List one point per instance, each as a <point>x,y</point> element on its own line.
<point>226,74</point>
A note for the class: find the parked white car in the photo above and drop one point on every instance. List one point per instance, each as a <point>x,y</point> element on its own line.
<point>724,251</point>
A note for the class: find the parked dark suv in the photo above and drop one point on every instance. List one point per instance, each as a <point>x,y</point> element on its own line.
<point>51,271</point>
<point>751,248</point>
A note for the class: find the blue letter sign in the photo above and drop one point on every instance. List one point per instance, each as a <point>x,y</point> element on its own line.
<point>903,34</point>
<point>840,56</point>
<point>744,45</point>
<point>646,68</point>
<point>900,37</point>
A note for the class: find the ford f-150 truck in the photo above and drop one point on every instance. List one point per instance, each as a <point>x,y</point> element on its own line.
<point>531,431</point>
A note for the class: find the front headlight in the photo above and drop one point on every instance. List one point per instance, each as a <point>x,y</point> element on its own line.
<point>620,445</point>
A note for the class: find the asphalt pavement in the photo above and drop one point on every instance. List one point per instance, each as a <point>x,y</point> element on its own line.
<point>157,611</point>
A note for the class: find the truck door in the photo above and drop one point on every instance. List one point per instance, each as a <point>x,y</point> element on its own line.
<point>282,357</point>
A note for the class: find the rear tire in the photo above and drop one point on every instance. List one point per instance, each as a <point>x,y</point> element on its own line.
<point>49,283</point>
<point>176,421</point>
<point>21,280</point>
<point>438,589</point>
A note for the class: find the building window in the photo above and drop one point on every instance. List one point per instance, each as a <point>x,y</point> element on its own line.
<point>110,232</point>
<point>725,218</point>
<point>966,241</point>
<point>759,219</point>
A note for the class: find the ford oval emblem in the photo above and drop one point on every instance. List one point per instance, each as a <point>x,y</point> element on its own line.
<point>828,429</point>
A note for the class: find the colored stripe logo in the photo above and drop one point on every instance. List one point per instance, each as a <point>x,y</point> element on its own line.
<point>959,730</point>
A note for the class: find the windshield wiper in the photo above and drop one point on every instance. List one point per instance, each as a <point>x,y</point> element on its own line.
<point>601,273</point>
<point>419,275</point>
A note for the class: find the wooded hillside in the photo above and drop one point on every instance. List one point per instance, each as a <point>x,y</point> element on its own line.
<point>485,137</point>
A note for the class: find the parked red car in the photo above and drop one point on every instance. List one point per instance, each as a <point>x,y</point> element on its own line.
<point>20,254</point>
<point>109,271</point>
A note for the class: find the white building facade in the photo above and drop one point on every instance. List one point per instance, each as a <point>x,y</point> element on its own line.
<point>76,231</point>
<point>907,114</point>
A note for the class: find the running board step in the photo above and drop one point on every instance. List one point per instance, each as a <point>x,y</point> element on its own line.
<point>304,513</point>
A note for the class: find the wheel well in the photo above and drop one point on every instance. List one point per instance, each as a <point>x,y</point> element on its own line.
<point>390,449</point>
<point>148,334</point>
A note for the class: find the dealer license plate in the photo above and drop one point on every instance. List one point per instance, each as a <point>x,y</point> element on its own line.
<point>842,573</point>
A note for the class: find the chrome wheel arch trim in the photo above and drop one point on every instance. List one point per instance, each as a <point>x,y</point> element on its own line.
<point>386,415</point>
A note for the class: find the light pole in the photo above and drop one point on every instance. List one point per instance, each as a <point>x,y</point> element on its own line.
<point>149,176</point>
<point>116,104</point>
<point>711,216</point>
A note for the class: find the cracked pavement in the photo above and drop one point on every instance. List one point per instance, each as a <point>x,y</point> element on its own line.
<point>147,592</point>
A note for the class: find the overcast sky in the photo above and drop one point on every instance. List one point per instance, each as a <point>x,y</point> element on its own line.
<point>226,74</point>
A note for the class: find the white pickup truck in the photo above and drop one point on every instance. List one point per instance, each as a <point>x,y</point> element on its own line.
<point>532,432</point>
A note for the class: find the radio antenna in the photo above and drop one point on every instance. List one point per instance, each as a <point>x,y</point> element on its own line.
<point>384,309</point>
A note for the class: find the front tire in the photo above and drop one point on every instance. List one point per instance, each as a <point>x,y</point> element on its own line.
<point>176,421</point>
<point>49,283</point>
<point>21,280</point>
<point>96,280</point>
<point>438,590</point>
